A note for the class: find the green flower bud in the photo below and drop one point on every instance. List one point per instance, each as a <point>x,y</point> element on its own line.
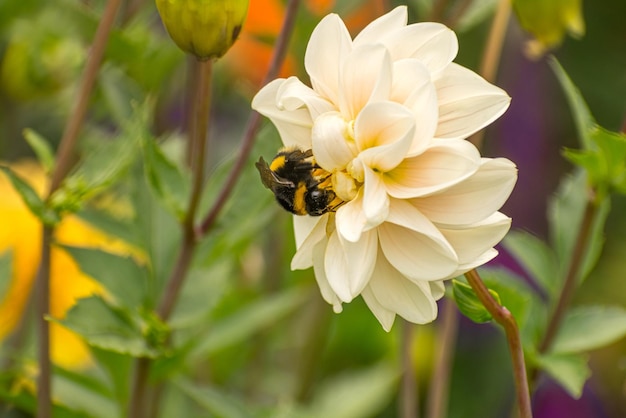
<point>204,28</point>
<point>548,21</point>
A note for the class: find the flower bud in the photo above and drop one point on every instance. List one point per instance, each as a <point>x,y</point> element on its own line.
<point>204,28</point>
<point>548,21</point>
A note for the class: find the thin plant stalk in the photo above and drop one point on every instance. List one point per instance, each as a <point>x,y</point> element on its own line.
<point>439,387</point>
<point>191,234</point>
<point>42,303</point>
<point>503,317</point>
<point>493,51</point>
<point>254,121</point>
<point>199,139</point>
<point>571,277</point>
<point>409,401</point>
<point>65,153</point>
<point>64,163</point>
<point>199,145</point>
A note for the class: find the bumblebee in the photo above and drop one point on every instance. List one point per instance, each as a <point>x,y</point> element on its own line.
<point>300,185</point>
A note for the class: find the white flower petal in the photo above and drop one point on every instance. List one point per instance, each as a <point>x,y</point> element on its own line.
<point>320,276</point>
<point>437,289</point>
<point>349,266</point>
<point>385,316</point>
<point>336,268</point>
<point>471,241</point>
<point>294,126</point>
<point>293,95</point>
<point>361,258</point>
<point>413,88</point>
<point>467,102</point>
<point>309,231</point>
<point>332,147</point>
<point>414,246</point>
<point>433,44</point>
<point>331,41</point>
<point>384,132</point>
<point>375,199</point>
<point>364,77</point>
<point>484,258</point>
<point>411,300</point>
<point>473,199</point>
<point>390,22</point>
<point>350,218</point>
<point>442,165</point>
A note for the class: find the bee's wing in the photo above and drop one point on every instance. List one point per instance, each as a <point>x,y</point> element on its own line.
<point>268,177</point>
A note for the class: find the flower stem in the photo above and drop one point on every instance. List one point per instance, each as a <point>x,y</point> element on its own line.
<point>492,53</point>
<point>199,139</point>
<point>64,163</point>
<point>507,321</point>
<point>254,121</point>
<point>409,402</point>
<point>573,272</point>
<point>65,153</point>
<point>440,381</point>
<point>42,303</point>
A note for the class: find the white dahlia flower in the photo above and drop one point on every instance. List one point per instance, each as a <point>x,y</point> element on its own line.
<point>387,116</point>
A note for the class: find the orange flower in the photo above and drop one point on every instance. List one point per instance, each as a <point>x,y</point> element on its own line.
<point>20,234</point>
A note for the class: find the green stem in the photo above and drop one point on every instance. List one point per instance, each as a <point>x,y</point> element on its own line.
<point>199,139</point>
<point>503,317</point>
<point>440,380</point>
<point>42,303</point>
<point>65,153</point>
<point>254,122</point>
<point>492,53</point>
<point>202,109</point>
<point>64,163</point>
<point>409,402</point>
<point>572,275</point>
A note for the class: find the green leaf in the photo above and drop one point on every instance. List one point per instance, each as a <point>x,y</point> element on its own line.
<point>169,184</point>
<point>469,304</point>
<point>108,327</point>
<point>213,400</point>
<point>121,276</point>
<point>605,163</point>
<point>569,370</point>
<point>6,272</point>
<point>536,258</point>
<point>582,116</point>
<point>249,320</point>
<point>202,290</point>
<point>104,163</point>
<point>357,394</point>
<point>125,229</point>
<point>590,327</point>
<point>612,155</point>
<point>565,213</point>
<point>476,13</point>
<point>119,92</point>
<point>42,149</point>
<point>117,367</point>
<point>30,197</point>
<point>82,392</point>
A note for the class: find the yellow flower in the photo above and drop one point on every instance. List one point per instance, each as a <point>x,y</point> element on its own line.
<point>20,234</point>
